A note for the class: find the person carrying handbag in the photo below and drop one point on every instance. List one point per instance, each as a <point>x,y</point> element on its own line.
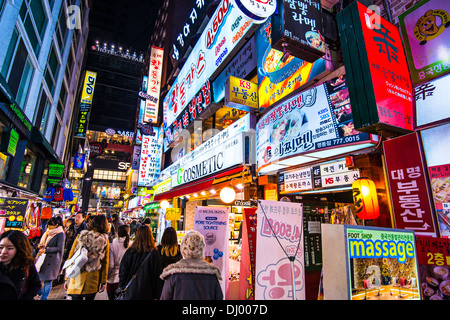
<point>140,265</point>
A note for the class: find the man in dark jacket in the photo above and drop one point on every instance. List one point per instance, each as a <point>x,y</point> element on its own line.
<point>192,278</point>
<point>72,232</point>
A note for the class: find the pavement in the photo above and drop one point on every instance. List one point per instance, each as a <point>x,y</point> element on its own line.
<point>59,293</point>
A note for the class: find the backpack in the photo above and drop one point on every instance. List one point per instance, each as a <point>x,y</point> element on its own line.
<point>48,194</point>
<point>58,194</point>
<point>74,265</point>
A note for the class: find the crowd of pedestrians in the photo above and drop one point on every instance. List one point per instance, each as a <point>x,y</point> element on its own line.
<point>122,259</point>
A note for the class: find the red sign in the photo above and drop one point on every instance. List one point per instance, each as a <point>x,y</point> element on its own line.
<point>407,181</point>
<point>248,254</point>
<point>389,70</point>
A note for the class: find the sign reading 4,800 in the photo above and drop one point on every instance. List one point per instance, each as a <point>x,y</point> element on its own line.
<point>217,22</point>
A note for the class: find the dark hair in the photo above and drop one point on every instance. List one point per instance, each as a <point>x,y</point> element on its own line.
<point>24,254</point>
<point>124,231</point>
<point>99,223</point>
<point>54,221</point>
<point>169,242</point>
<point>143,240</point>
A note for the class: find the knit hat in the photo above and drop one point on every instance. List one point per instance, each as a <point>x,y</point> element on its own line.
<point>193,245</point>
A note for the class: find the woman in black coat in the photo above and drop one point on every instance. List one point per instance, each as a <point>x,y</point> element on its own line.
<point>169,250</point>
<point>19,279</point>
<point>147,285</point>
<point>192,278</point>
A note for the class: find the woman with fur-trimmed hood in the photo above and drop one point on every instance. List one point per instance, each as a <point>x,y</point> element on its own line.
<point>94,273</point>
<point>192,278</point>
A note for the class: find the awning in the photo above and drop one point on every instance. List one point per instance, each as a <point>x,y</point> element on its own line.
<point>196,186</point>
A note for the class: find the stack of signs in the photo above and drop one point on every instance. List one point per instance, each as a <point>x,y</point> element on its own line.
<point>377,71</point>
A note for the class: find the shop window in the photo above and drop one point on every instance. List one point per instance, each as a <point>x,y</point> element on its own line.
<point>27,169</point>
<point>4,159</point>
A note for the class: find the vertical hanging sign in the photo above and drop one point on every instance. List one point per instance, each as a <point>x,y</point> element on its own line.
<point>85,104</point>
<point>154,85</point>
<point>410,199</point>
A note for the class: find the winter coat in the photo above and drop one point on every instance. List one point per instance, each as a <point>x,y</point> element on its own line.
<point>166,260</point>
<point>191,279</point>
<point>19,284</point>
<point>116,252</point>
<point>147,285</point>
<point>71,234</point>
<point>51,266</point>
<point>95,271</point>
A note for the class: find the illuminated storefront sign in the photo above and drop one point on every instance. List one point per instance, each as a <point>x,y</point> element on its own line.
<point>154,85</point>
<point>427,39</point>
<point>85,104</point>
<point>408,186</point>
<point>316,119</point>
<point>207,160</point>
<point>221,35</point>
<point>241,94</point>
<point>280,75</point>
<point>377,71</point>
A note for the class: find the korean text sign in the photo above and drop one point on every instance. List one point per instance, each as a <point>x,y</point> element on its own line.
<point>223,32</point>
<point>434,267</point>
<point>154,85</point>
<point>273,272</point>
<point>407,181</point>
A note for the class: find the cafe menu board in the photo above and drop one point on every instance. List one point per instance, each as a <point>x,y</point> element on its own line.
<point>434,267</point>
<point>426,38</point>
<point>13,209</point>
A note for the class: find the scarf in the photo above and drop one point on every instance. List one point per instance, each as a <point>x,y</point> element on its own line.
<point>49,234</point>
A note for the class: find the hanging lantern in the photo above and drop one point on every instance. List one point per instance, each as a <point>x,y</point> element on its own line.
<point>164,204</point>
<point>365,199</point>
<point>227,195</point>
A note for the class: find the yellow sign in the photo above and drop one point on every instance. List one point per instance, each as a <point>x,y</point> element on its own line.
<point>173,214</point>
<point>241,94</point>
<point>88,88</point>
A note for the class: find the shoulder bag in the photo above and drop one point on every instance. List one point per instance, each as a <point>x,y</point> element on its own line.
<point>121,294</point>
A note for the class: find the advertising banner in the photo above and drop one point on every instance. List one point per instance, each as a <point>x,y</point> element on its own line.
<point>154,85</point>
<point>314,119</point>
<point>382,264</point>
<point>434,267</point>
<point>408,186</point>
<point>241,94</point>
<point>427,39</point>
<point>212,223</point>
<point>280,232</point>
<point>14,210</point>
<point>85,104</point>
<point>279,77</point>
<point>437,154</point>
